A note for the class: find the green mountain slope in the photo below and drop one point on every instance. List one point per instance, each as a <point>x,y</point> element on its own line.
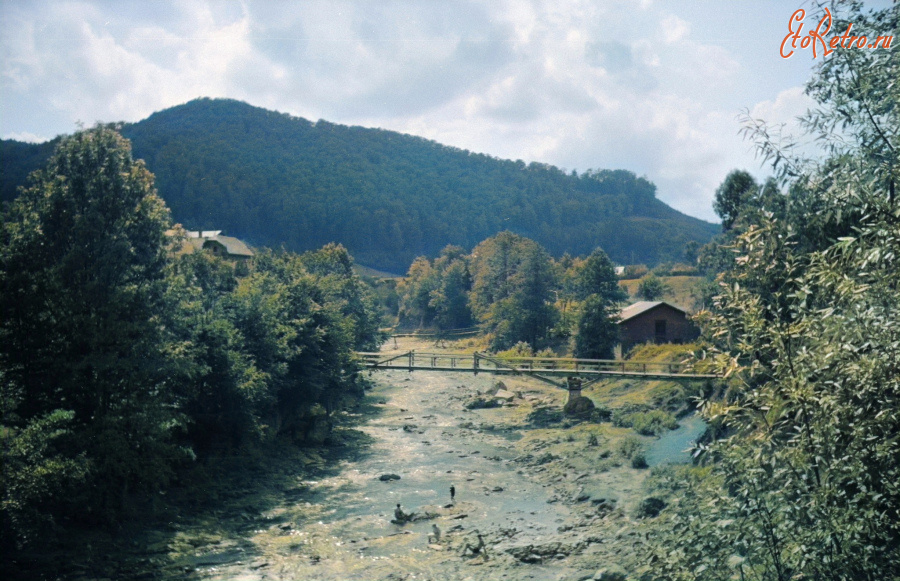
<point>275,180</point>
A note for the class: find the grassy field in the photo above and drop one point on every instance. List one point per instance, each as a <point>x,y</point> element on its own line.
<point>684,291</point>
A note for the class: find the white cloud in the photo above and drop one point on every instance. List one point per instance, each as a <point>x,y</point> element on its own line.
<point>26,137</point>
<point>674,29</point>
<point>583,84</point>
<point>785,109</point>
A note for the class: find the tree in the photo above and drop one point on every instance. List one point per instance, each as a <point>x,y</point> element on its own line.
<point>598,331</point>
<point>82,278</point>
<point>415,293</point>
<point>598,288</point>
<point>803,484</point>
<point>597,275</point>
<point>652,288</point>
<point>512,283</point>
<point>731,197</point>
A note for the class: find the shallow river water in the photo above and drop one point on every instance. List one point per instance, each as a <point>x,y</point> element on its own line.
<point>339,527</point>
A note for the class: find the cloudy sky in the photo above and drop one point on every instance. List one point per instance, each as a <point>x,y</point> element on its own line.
<point>653,86</point>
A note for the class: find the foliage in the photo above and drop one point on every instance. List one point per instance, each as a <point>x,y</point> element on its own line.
<point>731,197</point>
<point>437,294</point>
<point>277,180</point>
<point>37,476</point>
<point>123,356</point>
<point>596,275</point>
<point>647,422</point>
<point>512,280</point>
<point>598,330</point>
<point>652,288</point>
<point>630,446</point>
<point>804,482</point>
<point>82,278</point>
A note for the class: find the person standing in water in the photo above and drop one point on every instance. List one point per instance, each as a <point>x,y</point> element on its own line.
<point>452,492</point>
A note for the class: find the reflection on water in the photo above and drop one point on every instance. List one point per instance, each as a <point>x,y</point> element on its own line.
<point>673,446</point>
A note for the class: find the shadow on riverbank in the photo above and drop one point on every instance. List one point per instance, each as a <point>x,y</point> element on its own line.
<point>203,520</point>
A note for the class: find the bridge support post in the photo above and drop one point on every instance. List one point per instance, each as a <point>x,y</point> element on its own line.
<point>574,385</point>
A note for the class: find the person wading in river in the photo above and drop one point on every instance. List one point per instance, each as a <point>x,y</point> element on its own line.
<point>401,517</point>
<point>452,492</point>
<point>479,549</point>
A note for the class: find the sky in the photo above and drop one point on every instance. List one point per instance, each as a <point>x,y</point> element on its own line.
<point>652,86</point>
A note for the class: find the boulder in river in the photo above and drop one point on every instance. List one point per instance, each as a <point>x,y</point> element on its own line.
<point>611,573</point>
<point>578,406</point>
<point>388,477</point>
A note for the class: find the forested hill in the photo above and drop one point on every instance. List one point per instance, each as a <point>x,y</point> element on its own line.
<point>276,180</point>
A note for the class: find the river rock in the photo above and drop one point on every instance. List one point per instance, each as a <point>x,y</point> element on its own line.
<point>505,395</point>
<point>577,406</point>
<point>541,553</point>
<point>611,573</point>
<point>388,477</point>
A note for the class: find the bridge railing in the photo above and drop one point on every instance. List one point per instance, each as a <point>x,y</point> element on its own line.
<point>480,361</point>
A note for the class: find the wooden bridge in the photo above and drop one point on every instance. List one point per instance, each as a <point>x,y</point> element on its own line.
<point>543,368</point>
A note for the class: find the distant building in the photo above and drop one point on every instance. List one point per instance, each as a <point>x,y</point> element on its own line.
<point>654,322</point>
<point>212,241</point>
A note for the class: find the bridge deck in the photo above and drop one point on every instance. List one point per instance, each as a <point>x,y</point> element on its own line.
<point>536,366</point>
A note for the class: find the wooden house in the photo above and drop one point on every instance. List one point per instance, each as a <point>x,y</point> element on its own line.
<point>654,322</point>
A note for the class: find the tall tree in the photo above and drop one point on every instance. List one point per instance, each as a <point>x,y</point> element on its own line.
<point>513,280</point>
<point>598,288</point>
<point>597,275</point>
<point>731,197</point>
<point>82,271</point>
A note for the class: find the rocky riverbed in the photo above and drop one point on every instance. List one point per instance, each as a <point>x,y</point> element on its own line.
<point>552,497</point>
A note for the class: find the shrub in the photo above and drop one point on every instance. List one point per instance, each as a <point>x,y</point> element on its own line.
<point>630,446</point>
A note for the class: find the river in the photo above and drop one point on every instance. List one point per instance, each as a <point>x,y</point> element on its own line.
<point>549,504</point>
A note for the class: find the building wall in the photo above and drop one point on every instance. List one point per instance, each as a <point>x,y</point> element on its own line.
<point>642,328</point>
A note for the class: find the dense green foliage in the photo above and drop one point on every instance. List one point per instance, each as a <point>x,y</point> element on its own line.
<point>275,180</point>
<point>512,281</point>
<point>518,294</point>
<point>123,359</point>
<point>651,288</point>
<point>803,483</point>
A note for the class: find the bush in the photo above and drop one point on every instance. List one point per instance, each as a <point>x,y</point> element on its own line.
<point>630,446</point>
<point>643,421</point>
<point>653,422</point>
<point>650,507</point>
<point>639,461</point>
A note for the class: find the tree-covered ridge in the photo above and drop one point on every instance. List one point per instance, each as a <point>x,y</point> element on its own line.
<point>274,179</point>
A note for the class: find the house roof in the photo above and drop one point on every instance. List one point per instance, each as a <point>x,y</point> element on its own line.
<point>232,245</point>
<point>196,240</point>
<point>632,311</point>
